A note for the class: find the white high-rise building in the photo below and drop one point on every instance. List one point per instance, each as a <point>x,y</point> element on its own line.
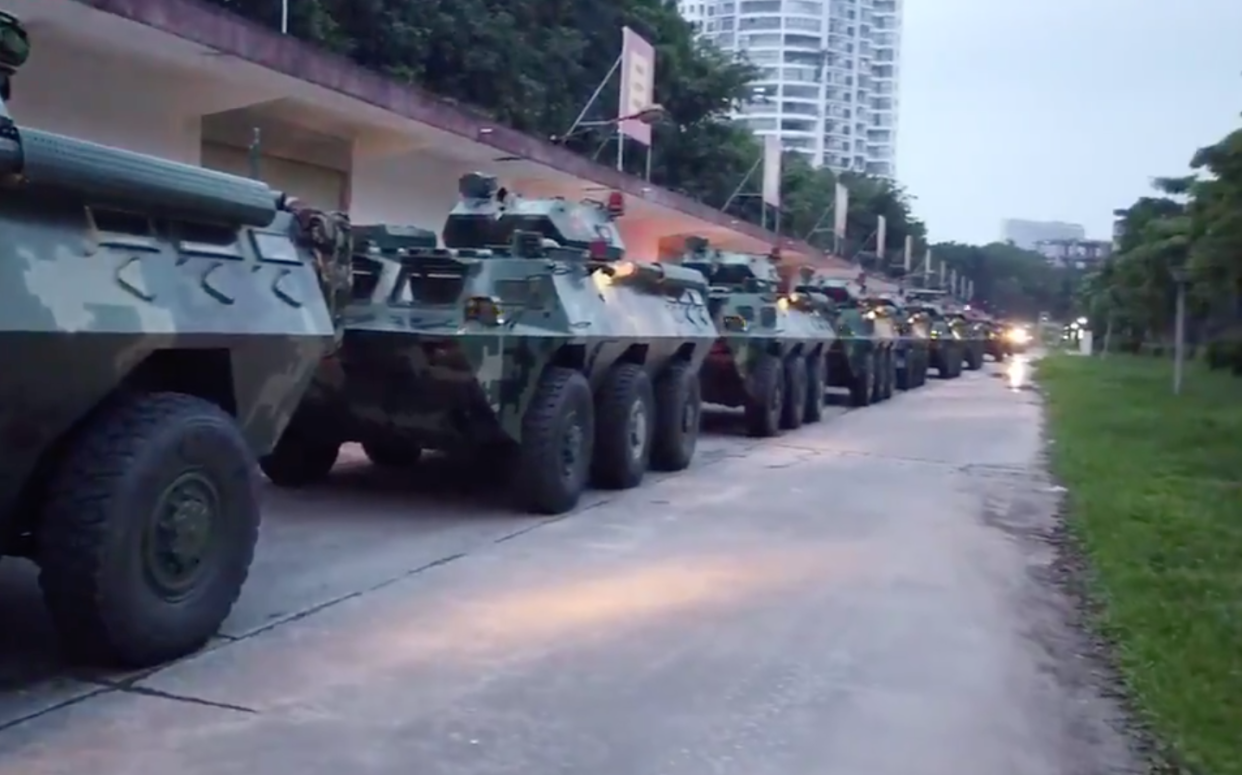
<point>830,73</point>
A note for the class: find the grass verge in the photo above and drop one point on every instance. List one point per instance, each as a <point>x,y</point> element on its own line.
<point>1155,503</point>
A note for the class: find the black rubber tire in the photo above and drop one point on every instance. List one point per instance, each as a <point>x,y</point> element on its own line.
<point>862,384</point>
<point>765,398</point>
<point>904,376</point>
<point>794,407</point>
<point>301,458</point>
<point>816,388</point>
<point>617,463</point>
<point>542,484</point>
<point>679,411</point>
<point>386,453</point>
<point>93,529</point>
<point>888,374</point>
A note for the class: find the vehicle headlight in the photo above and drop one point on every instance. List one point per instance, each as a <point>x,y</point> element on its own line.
<point>1019,335</point>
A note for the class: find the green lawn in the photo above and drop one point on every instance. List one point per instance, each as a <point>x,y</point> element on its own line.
<point>1155,489</point>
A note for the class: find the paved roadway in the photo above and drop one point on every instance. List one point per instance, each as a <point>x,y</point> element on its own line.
<point>863,597</point>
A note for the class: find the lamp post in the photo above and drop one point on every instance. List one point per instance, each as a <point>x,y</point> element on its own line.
<point>650,115</point>
<point>1181,276</point>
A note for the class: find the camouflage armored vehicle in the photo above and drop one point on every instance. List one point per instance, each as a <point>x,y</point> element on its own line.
<point>973,334</point>
<point>947,352</point>
<point>770,358</point>
<point>160,324</point>
<point>912,350</point>
<point>862,359</point>
<point>529,342</point>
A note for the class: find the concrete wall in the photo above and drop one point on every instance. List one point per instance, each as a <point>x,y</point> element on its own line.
<point>78,88</point>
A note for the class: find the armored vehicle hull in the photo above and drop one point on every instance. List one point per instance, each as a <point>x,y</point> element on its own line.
<point>156,343</point>
<point>973,338</point>
<point>771,357</point>
<point>863,357</point>
<point>913,349</point>
<point>777,373</point>
<point>559,368</point>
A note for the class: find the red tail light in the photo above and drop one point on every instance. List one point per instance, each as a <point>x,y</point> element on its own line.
<point>598,249</point>
<point>616,204</point>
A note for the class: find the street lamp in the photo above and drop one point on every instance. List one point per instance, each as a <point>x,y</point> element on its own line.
<point>1181,276</point>
<point>650,115</point>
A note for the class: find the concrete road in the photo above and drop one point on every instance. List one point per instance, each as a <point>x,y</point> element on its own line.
<point>862,597</point>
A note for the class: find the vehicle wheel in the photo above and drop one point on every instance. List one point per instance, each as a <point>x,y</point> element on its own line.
<point>1000,357</point>
<point>624,424</point>
<point>392,453</point>
<point>766,398</point>
<point>301,457</point>
<point>890,375</point>
<point>554,454</point>
<point>903,376</point>
<point>862,384</point>
<point>794,407</point>
<point>816,388</point>
<point>148,533</point>
<point>679,409</point>
<point>923,367</point>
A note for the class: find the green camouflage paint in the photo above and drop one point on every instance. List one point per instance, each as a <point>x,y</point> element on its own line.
<point>106,264</point>
<point>444,347</point>
<point>757,319</point>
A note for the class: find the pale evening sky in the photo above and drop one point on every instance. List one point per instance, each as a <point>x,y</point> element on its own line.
<point>1058,109</point>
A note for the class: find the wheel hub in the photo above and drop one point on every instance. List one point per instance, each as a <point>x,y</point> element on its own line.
<point>637,430</point>
<point>181,535</point>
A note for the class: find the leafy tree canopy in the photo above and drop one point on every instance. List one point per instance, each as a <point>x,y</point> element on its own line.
<point>533,65</point>
<point>1191,229</point>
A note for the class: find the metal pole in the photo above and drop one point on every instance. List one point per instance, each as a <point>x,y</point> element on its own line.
<point>778,221</point>
<point>742,185</point>
<point>648,172</point>
<point>815,229</point>
<point>1179,339</point>
<point>284,17</point>
<point>763,215</point>
<point>620,150</point>
<point>594,96</point>
<point>254,154</point>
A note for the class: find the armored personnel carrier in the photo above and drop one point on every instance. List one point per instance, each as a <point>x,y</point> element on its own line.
<point>160,323</point>
<point>947,347</point>
<point>973,335</point>
<point>912,349</point>
<point>770,358</point>
<point>528,341</point>
<point>862,358</point>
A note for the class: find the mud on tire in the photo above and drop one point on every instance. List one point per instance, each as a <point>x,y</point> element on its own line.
<point>679,410</point>
<point>149,530</point>
<point>554,455</point>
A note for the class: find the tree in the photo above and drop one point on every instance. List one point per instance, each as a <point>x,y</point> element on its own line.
<point>532,64</point>
<point>1195,224</point>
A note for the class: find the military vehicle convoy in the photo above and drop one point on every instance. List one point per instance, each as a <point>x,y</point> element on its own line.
<point>770,358</point>
<point>528,341</point>
<point>947,348</point>
<point>862,358</point>
<point>912,349</point>
<point>973,336</point>
<point>160,323</point>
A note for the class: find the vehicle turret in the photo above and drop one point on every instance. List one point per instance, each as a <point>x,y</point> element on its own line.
<point>489,216</point>
<point>731,272</point>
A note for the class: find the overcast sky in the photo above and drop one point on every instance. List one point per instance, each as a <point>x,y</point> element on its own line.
<point>1058,109</point>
